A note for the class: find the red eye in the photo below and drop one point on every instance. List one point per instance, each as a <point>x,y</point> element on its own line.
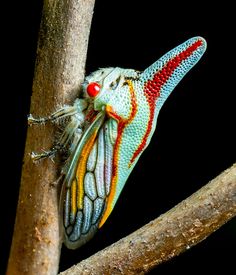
<point>93,89</point>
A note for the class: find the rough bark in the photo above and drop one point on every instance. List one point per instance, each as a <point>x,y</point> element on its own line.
<point>185,225</point>
<point>59,70</point>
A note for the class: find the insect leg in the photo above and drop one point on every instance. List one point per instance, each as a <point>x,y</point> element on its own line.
<point>78,106</point>
<point>71,130</point>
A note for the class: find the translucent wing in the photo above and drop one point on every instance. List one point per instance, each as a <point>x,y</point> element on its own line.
<point>87,182</point>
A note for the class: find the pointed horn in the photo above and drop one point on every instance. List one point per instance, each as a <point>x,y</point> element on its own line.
<point>162,76</point>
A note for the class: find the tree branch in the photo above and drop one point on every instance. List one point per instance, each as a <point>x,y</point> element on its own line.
<point>59,70</point>
<point>185,225</point>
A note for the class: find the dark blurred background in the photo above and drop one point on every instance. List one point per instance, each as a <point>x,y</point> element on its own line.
<point>195,136</point>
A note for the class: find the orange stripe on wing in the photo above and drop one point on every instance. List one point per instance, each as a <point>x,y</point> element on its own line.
<point>73,197</point>
<point>122,123</point>
<point>81,169</point>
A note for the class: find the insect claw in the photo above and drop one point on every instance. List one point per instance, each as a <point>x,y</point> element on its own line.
<point>57,181</point>
<point>45,154</point>
<point>36,157</point>
<point>32,120</point>
<point>51,156</point>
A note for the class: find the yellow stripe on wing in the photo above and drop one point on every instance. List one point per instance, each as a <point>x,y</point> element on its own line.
<point>81,169</point>
<point>73,197</point>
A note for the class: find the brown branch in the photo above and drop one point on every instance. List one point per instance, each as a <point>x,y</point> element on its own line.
<point>185,225</point>
<point>59,70</point>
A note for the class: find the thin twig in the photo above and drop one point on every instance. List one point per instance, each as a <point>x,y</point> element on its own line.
<point>59,70</point>
<point>185,225</point>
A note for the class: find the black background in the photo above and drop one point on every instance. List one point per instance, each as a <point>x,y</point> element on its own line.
<point>195,136</point>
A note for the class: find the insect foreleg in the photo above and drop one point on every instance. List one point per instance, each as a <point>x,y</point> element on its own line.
<point>71,133</point>
<point>78,106</point>
<point>65,138</point>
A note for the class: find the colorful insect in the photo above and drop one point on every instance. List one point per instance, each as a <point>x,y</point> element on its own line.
<point>110,125</point>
